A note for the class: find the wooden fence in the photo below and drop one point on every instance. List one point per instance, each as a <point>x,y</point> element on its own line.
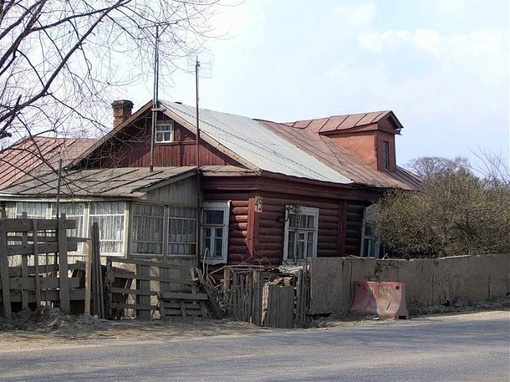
<point>134,285</point>
<point>42,274</point>
<point>266,297</point>
<point>34,271</point>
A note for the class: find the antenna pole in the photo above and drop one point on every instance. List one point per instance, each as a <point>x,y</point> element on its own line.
<point>198,236</point>
<point>154,97</point>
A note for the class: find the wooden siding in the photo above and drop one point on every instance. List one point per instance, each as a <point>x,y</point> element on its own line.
<point>182,193</point>
<point>131,148</point>
<point>353,228</point>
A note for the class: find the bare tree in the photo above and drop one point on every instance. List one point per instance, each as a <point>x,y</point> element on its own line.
<point>455,213</point>
<point>60,60</point>
<point>427,167</point>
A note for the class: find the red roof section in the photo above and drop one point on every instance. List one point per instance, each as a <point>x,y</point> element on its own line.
<point>307,136</point>
<point>38,155</point>
<point>344,122</point>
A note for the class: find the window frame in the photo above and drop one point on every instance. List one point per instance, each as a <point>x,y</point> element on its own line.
<point>162,133</point>
<point>303,211</point>
<point>369,240</point>
<point>215,206</point>
<point>386,159</point>
<point>136,237</point>
<point>120,214</point>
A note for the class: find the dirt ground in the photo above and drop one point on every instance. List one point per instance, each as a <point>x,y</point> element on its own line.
<point>50,325</point>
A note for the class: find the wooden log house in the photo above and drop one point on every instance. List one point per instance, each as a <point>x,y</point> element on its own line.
<point>260,192</point>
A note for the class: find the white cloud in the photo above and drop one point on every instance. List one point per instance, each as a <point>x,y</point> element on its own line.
<point>449,7</point>
<point>378,42</point>
<point>357,13</point>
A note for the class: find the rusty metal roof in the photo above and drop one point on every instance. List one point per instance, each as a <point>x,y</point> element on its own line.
<point>127,182</point>
<point>256,144</point>
<point>38,155</point>
<point>345,122</point>
<point>340,158</point>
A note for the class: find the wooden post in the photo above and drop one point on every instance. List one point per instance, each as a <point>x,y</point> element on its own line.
<point>257,298</point>
<point>88,271</point>
<point>36,264</point>
<point>4,271</point>
<point>63,266</point>
<point>24,268</point>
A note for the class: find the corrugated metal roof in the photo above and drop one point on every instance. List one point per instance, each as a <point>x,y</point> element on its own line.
<point>258,145</point>
<point>38,154</point>
<point>111,182</point>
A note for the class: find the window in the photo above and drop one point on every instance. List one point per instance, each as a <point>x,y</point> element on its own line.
<point>215,231</point>
<point>33,210</point>
<point>369,241</point>
<point>182,223</point>
<point>164,132</point>
<point>147,233</point>
<point>301,224</point>
<point>110,218</point>
<point>73,211</point>
<point>386,155</point>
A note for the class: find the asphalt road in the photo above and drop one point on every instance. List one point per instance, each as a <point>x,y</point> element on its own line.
<point>471,348</point>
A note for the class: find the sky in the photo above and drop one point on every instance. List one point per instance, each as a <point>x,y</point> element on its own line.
<point>442,66</point>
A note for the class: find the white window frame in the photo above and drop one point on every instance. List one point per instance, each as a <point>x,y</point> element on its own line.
<point>302,211</point>
<point>120,236</point>
<point>185,218</point>
<point>147,215</point>
<point>164,128</point>
<point>206,253</point>
<point>369,241</point>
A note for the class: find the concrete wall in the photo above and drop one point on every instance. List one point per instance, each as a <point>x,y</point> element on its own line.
<point>428,281</point>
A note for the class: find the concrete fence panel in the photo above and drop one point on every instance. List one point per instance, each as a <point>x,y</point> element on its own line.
<point>428,281</point>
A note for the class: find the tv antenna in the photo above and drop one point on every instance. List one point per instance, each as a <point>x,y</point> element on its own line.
<point>160,28</point>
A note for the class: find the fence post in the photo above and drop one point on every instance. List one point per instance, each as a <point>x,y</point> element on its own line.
<point>62,265</point>
<point>4,271</point>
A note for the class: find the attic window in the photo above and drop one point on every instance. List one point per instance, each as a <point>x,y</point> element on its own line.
<point>164,132</point>
<point>386,155</point>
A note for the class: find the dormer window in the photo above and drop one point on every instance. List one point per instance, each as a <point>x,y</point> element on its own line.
<point>164,132</point>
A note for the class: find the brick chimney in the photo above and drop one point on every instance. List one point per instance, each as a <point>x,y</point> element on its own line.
<point>122,110</point>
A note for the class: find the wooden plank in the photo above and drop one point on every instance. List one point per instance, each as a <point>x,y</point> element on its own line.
<point>28,249</point>
<point>148,263</point>
<point>137,307</point>
<point>50,268</point>
<point>29,283</point>
<point>24,225</point>
<point>63,268</point>
<point>183,296</point>
<point>52,296</point>
<point>117,290</point>
<point>117,274</point>
<point>4,270</point>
